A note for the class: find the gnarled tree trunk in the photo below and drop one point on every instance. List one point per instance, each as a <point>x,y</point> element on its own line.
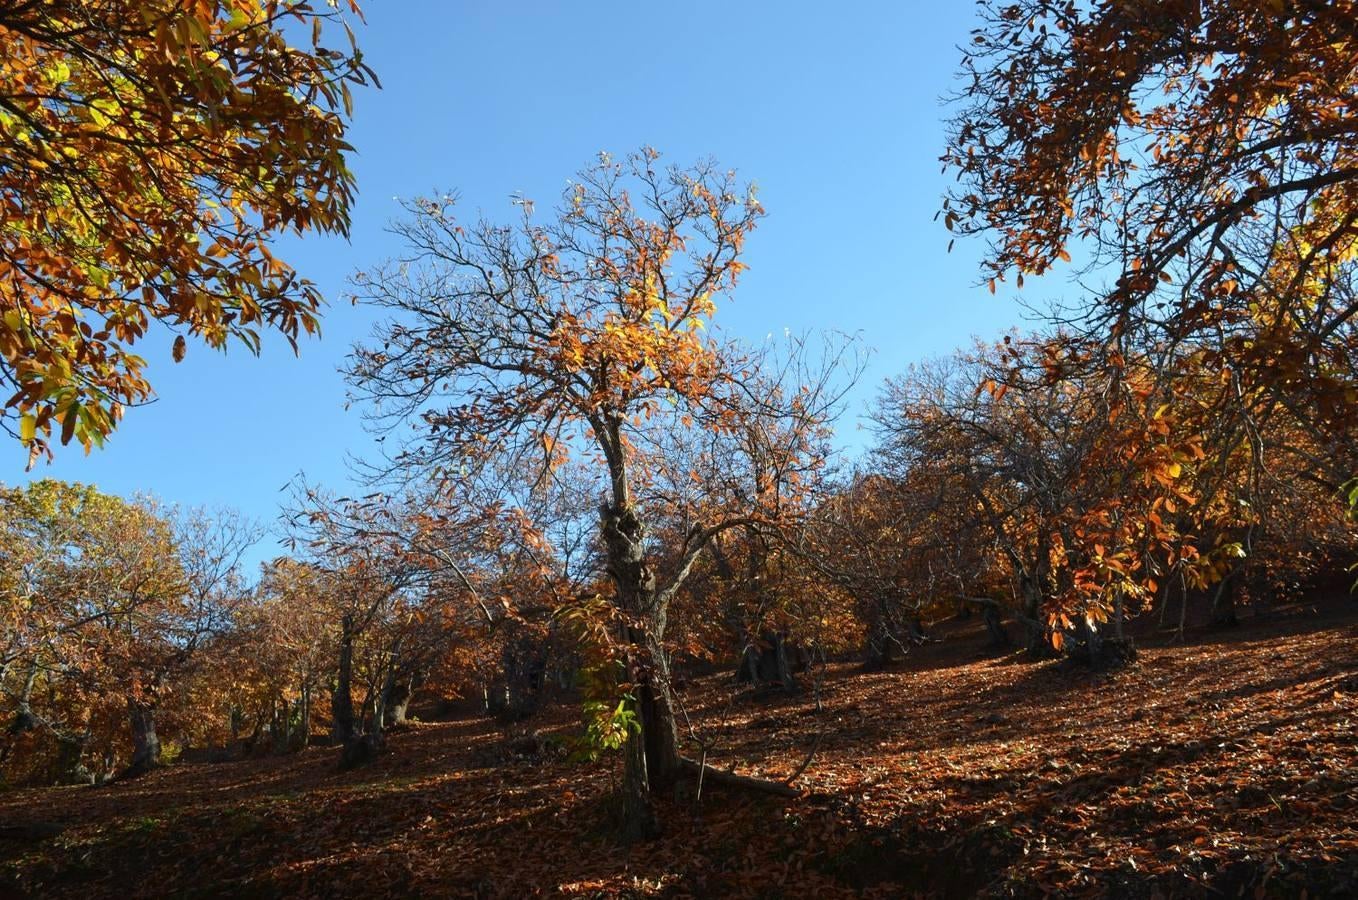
<point>994,626</point>
<point>358,749</point>
<point>341,699</point>
<point>651,754</point>
<point>145,741</point>
<point>68,767</point>
<point>769,661</point>
<point>1224,601</point>
<point>991,618</point>
<point>304,716</point>
<point>1037,644</point>
<point>398,702</point>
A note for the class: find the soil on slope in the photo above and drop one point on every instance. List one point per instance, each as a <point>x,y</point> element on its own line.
<point>1224,766</point>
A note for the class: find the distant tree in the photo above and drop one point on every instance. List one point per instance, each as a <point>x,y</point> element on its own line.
<point>766,596</point>
<point>48,691</point>
<point>94,582</point>
<point>278,658</point>
<point>1074,479</point>
<point>402,578</point>
<point>903,545</point>
<point>109,610</point>
<point>167,642</point>
<point>150,150</point>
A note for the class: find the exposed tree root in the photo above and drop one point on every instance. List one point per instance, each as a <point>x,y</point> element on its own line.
<point>705,772</point>
<point>731,779</point>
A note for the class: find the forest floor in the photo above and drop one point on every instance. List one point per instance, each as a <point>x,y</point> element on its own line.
<point>1225,766</point>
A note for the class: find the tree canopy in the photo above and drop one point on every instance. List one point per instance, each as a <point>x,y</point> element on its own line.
<point>149,152</point>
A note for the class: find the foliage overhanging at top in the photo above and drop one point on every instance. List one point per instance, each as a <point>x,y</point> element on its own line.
<point>149,150</point>
<point>1205,150</point>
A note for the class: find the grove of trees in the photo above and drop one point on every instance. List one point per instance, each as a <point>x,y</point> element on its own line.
<point>588,488</point>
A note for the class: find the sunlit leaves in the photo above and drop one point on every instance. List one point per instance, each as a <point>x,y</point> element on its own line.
<point>149,151</point>
<point>541,339</point>
<point>1203,157</point>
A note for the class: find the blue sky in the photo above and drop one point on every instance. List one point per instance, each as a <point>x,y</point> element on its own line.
<point>834,110</point>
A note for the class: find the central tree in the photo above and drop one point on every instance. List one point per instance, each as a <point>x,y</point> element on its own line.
<point>512,347</point>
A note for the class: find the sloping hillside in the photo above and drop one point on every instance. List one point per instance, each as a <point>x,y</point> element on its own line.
<point>1229,765</point>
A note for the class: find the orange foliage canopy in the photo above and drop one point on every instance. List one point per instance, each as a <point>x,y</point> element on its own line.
<point>149,149</point>
<point>1205,154</point>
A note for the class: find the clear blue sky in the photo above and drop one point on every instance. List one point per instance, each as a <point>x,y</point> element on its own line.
<point>833,109</point>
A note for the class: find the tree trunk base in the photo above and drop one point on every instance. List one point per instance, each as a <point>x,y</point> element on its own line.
<point>360,751</point>
<point>1110,653</point>
<point>137,770</point>
<point>1041,651</point>
<point>639,823</point>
